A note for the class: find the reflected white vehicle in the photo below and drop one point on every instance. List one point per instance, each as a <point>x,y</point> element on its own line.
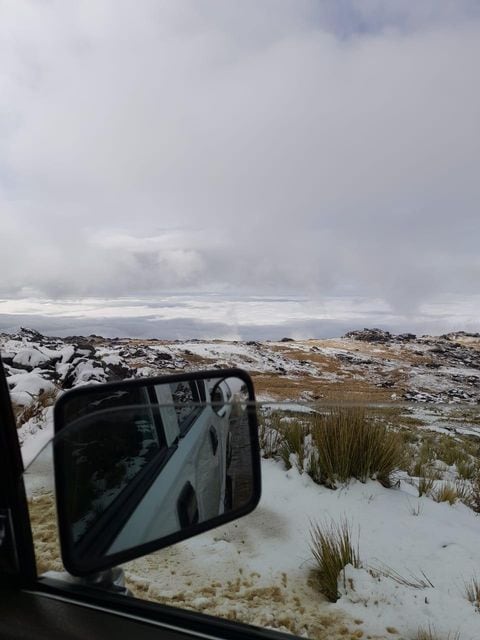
<point>148,461</point>
<point>193,485</point>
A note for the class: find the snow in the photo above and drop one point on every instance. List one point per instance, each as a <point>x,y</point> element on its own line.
<point>86,373</point>
<point>31,357</point>
<point>34,435</point>
<point>67,353</point>
<point>260,566</point>
<point>112,359</point>
<point>25,386</point>
<point>272,542</point>
<point>287,406</point>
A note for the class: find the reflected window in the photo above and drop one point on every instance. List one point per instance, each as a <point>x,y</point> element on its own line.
<point>186,398</point>
<point>110,453</point>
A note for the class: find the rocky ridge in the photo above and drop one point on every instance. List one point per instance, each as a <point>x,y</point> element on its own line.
<point>443,369</point>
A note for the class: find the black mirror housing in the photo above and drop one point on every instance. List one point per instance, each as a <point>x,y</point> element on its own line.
<point>142,464</point>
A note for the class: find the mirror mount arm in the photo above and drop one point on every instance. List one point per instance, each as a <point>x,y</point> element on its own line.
<point>112,580</point>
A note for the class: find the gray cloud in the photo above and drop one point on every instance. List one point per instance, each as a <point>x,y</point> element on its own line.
<point>287,147</point>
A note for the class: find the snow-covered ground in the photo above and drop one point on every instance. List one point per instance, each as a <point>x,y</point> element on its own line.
<point>416,554</point>
<point>258,569</point>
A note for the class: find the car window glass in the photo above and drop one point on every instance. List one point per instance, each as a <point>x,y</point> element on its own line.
<point>110,456</point>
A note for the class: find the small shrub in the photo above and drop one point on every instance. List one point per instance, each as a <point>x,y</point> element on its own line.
<point>333,548</point>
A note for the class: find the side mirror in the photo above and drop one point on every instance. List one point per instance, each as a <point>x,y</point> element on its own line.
<point>142,464</point>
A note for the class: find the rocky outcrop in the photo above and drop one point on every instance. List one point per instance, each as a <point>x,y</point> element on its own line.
<point>370,335</point>
<point>416,369</point>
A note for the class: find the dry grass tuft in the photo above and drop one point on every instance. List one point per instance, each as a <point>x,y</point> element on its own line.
<point>451,492</point>
<point>474,501</point>
<point>466,469</point>
<point>333,548</point>
<point>429,633</point>
<point>472,591</point>
<point>36,408</point>
<point>269,434</point>
<point>351,445</point>
<point>426,484</point>
<point>411,580</point>
<point>293,442</point>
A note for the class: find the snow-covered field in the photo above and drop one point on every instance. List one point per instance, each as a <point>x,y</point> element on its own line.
<point>416,554</point>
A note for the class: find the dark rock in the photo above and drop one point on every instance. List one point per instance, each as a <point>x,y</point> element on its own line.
<point>406,337</point>
<point>164,356</point>
<point>454,335</point>
<point>370,335</point>
<point>386,384</point>
<point>351,359</point>
<point>287,340</point>
<point>30,334</point>
<point>117,372</point>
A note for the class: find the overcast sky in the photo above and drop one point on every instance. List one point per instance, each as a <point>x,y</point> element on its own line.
<point>328,150</point>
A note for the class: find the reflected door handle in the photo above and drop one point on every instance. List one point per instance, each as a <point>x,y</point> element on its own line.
<point>187,506</point>
<point>213,440</point>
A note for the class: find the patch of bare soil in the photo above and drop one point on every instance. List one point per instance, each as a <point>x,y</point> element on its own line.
<point>300,611</point>
<point>43,519</point>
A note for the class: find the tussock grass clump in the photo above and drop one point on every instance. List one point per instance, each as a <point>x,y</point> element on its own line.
<point>466,469</point>
<point>430,634</point>
<point>351,445</point>
<point>426,483</point>
<point>451,492</point>
<point>472,591</point>
<point>446,492</point>
<point>415,509</point>
<point>333,548</point>
<point>293,442</point>
<point>474,500</point>
<point>451,451</point>
<point>269,435</point>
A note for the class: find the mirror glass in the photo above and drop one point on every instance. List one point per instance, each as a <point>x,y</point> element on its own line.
<point>148,462</point>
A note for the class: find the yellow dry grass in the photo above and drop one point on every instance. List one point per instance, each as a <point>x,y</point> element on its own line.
<point>282,387</point>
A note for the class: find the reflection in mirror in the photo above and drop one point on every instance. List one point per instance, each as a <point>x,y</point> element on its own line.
<point>138,462</point>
